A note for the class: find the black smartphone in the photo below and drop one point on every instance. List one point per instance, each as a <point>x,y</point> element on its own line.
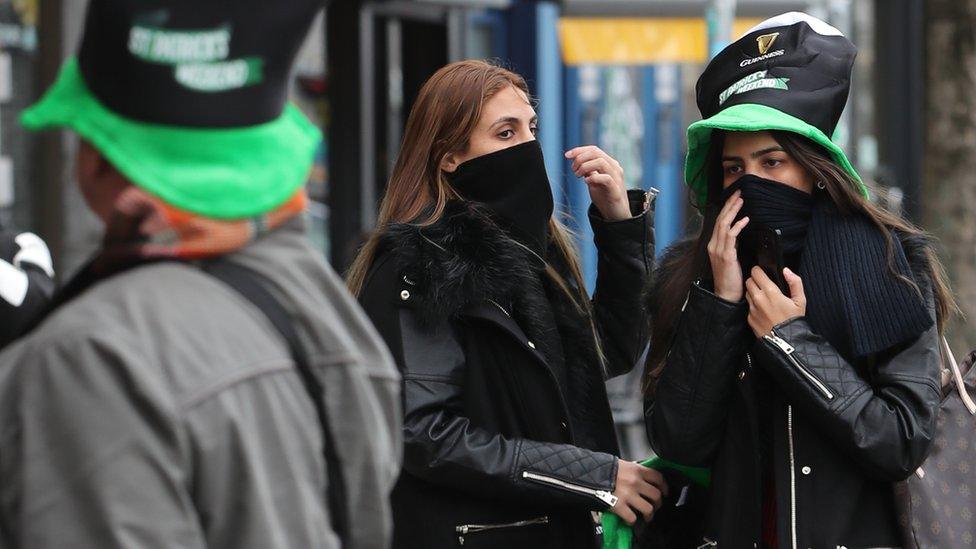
<point>769,256</point>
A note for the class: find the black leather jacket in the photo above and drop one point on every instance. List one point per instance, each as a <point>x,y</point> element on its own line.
<point>494,452</point>
<point>842,432</point>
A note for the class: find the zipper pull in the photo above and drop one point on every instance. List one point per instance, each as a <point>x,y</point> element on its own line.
<point>649,196</point>
<point>606,497</point>
<point>779,342</point>
<point>602,495</point>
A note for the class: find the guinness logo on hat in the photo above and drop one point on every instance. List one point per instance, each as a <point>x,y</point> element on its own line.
<point>765,42</point>
<point>803,69</point>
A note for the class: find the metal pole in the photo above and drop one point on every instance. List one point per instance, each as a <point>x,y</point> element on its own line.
<point>719,15</point>
<point>346,96</point>
<point>50,156</point>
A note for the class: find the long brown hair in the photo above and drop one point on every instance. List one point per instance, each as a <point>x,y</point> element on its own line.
<point>446,112</point>
<point>844,191</point>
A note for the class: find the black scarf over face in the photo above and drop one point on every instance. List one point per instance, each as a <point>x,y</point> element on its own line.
<point>513,186</point>
<point>771,204</point>
<point>853,298</point>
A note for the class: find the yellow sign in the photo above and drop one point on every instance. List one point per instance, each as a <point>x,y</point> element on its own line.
<point>639,41</point>
<point>27,10</point>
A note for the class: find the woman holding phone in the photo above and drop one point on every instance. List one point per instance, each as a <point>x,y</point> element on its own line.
<point>807,404</point>
<point>476,288</point>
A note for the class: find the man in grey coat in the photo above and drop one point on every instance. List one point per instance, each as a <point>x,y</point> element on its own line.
<point>155,405</point>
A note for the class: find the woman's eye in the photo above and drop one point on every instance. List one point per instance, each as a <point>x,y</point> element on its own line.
<point>732,170</point>
<point>773,162</point>
<point>534,130</point>
<point>507,134</point>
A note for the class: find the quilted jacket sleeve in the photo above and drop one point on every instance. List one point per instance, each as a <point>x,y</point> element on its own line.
<point>443,446</point>
<point>886,423</point>
<point>686,418</point>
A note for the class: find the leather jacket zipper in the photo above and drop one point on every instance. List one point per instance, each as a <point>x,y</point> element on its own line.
<point>885,547</point>
<point>674,336</point>
<point>602,495</point>
<point>789,428</point>
<point>788,350</point>
<point>707,543</point>
<point>465,529</point>
<point>500,308</point>
<point>649,197</point>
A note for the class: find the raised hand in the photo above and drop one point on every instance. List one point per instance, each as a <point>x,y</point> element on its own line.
<point>726,271</point>
<point>605,178</point>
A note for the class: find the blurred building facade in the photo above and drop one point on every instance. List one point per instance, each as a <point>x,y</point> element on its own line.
<point>616,73</point>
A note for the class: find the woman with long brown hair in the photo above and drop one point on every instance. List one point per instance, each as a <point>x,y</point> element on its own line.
<point>810,387</point>
<point>476,287</point>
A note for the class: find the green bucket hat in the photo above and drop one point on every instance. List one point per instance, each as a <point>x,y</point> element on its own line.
<point>791,73</point>
<point>188,102</point>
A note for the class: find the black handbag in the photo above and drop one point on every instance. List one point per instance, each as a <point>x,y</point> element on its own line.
<point>937,505</point>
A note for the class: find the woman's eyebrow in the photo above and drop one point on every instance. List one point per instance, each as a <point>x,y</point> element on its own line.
<point>757,154</point>
<point>512,120</point>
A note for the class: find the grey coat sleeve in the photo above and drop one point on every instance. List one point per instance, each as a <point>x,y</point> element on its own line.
<point>90,456</point>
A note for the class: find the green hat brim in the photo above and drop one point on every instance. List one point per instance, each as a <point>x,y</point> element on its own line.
<point>750,118</point>
<point>225,173</point>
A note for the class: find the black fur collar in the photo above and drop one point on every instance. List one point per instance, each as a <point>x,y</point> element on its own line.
<point>461,261</point>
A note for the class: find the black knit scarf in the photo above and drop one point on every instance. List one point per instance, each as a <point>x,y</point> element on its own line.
<point>854,300</point>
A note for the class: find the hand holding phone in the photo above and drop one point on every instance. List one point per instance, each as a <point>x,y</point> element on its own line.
<point>768,308</point>
<point>769,256</point>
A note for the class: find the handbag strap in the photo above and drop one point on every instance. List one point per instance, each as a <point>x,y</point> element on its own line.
<point>250,284</point>
<point>949,361</point>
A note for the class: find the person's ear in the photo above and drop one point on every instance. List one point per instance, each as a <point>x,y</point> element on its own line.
<point>450,162</point>
<point>90,165</point>
<point>98,180</point>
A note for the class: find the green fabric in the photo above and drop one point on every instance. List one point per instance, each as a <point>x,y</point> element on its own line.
<point>616,533</point>
<point>749,118</point>
<point>219,173</point>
